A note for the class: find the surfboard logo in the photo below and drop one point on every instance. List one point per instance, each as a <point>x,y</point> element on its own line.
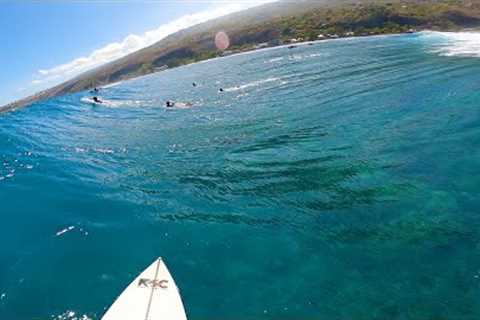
<point>153,284</point>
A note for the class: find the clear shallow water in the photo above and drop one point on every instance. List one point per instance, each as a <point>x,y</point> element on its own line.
<point>333,181</point>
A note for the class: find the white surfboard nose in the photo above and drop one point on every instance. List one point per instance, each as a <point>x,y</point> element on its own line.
<point>152,295</point>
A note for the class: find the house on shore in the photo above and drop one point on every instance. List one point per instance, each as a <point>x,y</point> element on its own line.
<point>261,45</point>
<point>161,68</point>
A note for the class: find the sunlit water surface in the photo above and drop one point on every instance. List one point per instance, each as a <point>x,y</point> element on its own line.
<point>333,181</point>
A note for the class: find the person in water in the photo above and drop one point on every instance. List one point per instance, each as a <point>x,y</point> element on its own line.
<point>170,104</point>
<point>95,99</point>
<point>220,90</point>
<point>194,84</point>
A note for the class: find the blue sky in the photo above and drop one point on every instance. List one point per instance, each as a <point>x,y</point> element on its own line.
<point>47,42</point>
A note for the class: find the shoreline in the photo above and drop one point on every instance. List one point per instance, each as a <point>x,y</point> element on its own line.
<point>25,102</point>
<point>304,43</point>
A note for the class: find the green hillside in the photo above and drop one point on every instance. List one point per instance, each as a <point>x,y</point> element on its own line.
<point>276,24</point>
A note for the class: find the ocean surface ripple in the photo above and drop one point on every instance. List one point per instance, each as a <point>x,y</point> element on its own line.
<point>337,180</point>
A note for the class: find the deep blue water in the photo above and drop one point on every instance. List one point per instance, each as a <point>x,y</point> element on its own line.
<point>333,181</point>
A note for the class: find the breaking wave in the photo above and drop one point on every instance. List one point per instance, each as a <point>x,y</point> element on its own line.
<point>450,44</point>
<point>252,84</point>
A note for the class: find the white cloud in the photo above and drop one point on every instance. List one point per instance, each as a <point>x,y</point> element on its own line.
<point>132,43</point>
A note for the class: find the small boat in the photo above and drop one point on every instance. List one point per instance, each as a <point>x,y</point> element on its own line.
<point>152,295</point>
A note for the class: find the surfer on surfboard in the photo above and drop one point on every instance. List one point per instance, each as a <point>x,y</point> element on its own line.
<point>96,100</point>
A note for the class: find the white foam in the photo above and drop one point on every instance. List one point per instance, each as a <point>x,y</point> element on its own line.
<point>104,150</point>
<point>71,315</point>
<point>274,60</point>
<point>111,85</point>
<point>63,231</point>
<point>114,103</point>
<point>296,57</point>
<point>80,150</point>
<point>450,44</point>
<point>252,84</point>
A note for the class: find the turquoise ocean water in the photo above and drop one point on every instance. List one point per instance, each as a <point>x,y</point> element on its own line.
<point>333,181</point>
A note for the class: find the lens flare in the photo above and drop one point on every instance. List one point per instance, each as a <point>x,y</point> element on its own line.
<point>222,41</point>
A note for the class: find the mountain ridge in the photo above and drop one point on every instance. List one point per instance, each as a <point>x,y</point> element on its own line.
<point>273,24</point>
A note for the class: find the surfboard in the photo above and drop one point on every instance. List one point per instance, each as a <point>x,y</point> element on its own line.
<point>153,295</point>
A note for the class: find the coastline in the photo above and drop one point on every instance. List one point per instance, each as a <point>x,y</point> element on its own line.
<point>25,102</point>
<point>272,26</point>
<point>45,94</point>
